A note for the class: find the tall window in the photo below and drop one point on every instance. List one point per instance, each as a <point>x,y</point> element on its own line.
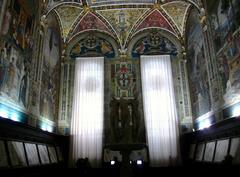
<point>160,110</point>
<point>88,110</point>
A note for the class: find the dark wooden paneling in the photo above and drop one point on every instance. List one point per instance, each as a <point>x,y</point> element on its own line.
<point>16,131</point>
<point>223,130</point>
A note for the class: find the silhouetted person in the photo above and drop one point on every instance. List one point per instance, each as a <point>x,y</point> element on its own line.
<point>84,166</point>
<point>227,161</point>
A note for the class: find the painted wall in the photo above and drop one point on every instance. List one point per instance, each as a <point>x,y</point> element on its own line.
<point>213,62</point>
<point>29,66</point>
<point>197,67</point>
<point>49,96</point>
<point>16,48</point>
<point>224,20</point>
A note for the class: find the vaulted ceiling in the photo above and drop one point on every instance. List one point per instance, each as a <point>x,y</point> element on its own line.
<point>121,19</point>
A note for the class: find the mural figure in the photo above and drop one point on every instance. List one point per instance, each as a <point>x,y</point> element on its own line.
<point>28,43</point>
<point>24,86</point>
<point>154,43</point>
<point>122,21</point>
<point>105,48</point>
<point>222,21</point>
<point>50,83</point>
<point>142,47</point>
<point>20,31</point>
<point>14,76</point>
<point>231,50</point>
<point>237,39</point>
<point>22,26</point>
<point>3,67</point>
<point>13,81</point>
<point>197,68</point>
<point>216,34</point>
<point>6,21</point>
<point>16,53</point>
<point>233,87</point>
<point>92,45</point>
<point>224,71</point>
<point>11,74</point>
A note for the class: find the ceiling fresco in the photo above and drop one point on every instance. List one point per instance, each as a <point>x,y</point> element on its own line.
<point>121,19</point>
<point>107,2</point>
<point>177,12</point>
<point>91,22</point>
<point>155,20</point>
<point>68,16</point>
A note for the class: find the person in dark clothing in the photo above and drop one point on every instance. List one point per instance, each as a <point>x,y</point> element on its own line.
<point>84,166</point>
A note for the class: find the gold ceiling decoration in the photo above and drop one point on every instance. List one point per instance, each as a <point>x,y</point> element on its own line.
<point>122,19</point>
<point>177,12</point>
<point>68,16</point>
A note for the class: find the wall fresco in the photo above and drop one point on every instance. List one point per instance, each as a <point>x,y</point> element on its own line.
<point>50,76</point>
<point>21,59</point>
<point>224,18</point>
<point>16,54</point>
<point>154,43</point>
<point>229,70</point>
<point>197,67</point>
<point>92,45</point>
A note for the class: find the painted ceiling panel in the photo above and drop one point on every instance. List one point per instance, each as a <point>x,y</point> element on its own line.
<point>68,16</point>
<point>155,20</point>
<point>91,22</point>
<point>112,2</point>
<point>123,20</point>
<point>54,3</point>
<point>177,12</point>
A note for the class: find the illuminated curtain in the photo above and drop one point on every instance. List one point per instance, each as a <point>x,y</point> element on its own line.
<point>87,111</point>
<point>160,110</point>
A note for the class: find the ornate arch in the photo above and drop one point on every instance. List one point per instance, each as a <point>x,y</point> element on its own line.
<point>195,4</point>
<point>50,9</point>
<point>92,42</point>
<point>163,33</point>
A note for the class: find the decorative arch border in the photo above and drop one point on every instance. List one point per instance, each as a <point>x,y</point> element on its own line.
<point>186,20</point>
<point>57,19</point>
<point>75,4</point>
<point>66,4</point>
<point>194,4</point>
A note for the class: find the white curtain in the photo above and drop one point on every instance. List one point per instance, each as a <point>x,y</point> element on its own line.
<point>160,110</point>
<point>87,111</point>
